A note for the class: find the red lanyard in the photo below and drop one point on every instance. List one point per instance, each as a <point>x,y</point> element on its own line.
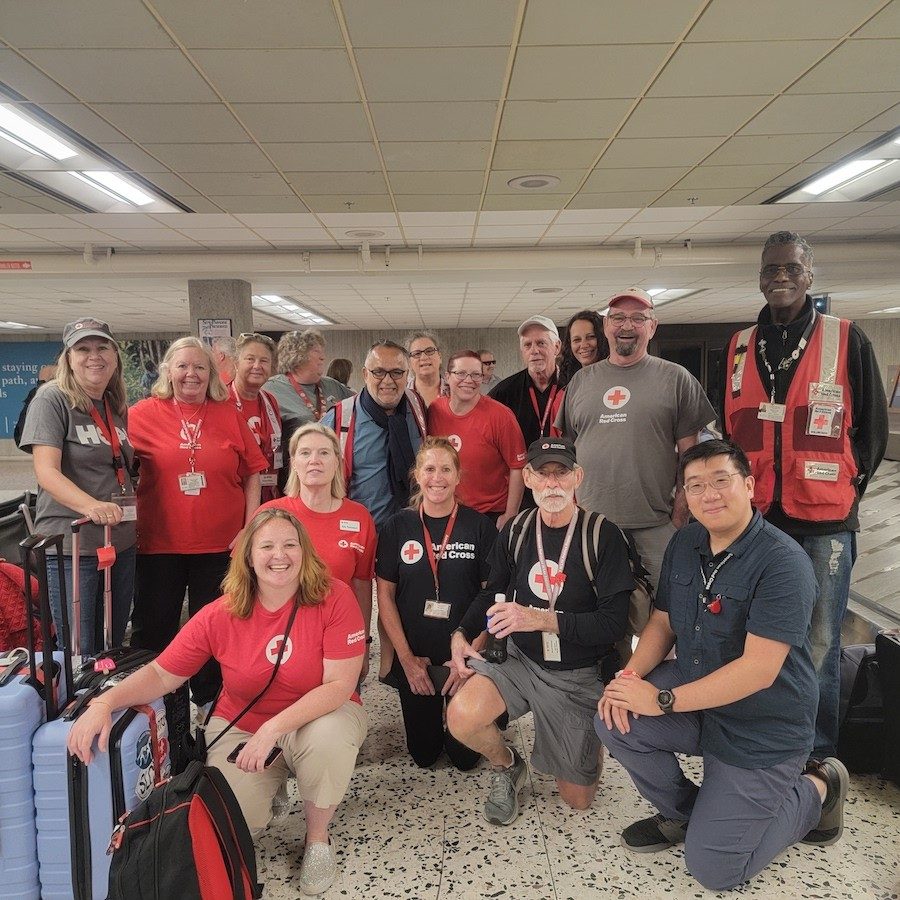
<point>547,408</point>
<point>435,560</point>
<point>108,430</point>
<point>553,584</point>
<point>319,410</point>
<point>192,438</point>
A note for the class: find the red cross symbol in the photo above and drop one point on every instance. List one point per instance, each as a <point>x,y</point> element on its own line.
<point>820,420</point>
<point>412,552</point>
<point>615,397</point>
<point>556,579</point>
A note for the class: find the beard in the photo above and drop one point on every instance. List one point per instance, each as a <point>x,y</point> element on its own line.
<point>553,500</point>
<point>626,348</point>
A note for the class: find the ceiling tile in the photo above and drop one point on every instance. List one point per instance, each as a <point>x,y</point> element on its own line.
<point>648,179</point>
<point>545,155</point>
<point>690,116</point>
<point>428,156</point>
<point>234,183</point>
<point>434,121</point>
<point>345,157</point>
<point>38,221</point>
<point>116,221</point>
<point>524,217</point>
<point>332,203</point>
<point>766,149</point>
<point>525,120</point>
<point>443,202</point>
<point>819,113</point>
<point>705,196</point>
<point>292,76</point>
<point>615,200</point>
<point>657,152</point>
<point>296,122</point>
<point>717,177</point>
<point>736,69</point>
<point>854,66</point>
<point>85,122</point>
<point>278,220</point>
<point>436,182</point>
<point>843,146</point>
<point>335,182</point>
<point>358,219</point>
<point>687,214</point>
<point>569,181</point>
<point>551,73</point>
<point>174,123</point>
<point>416,219</point>
<point>245,157</point>
<point>596,216</point>
<point>529,202</point>
<point>885,24</point>
<point>257,204</point>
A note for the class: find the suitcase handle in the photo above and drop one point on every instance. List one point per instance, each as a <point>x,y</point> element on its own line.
<point>105,559</point>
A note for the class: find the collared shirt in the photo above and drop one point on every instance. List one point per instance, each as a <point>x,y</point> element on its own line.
<point>768,588</point>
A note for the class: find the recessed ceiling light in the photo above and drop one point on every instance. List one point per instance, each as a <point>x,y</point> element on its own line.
<point>532,182</point>
<point>546,290</point>
<point>364,233</point>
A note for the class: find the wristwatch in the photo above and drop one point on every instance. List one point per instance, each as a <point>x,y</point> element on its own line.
<point>665,700</point>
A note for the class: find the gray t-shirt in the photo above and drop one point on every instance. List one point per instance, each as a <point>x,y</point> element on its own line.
<point>86,462</point>
<point>625,421</point>
<point>294,412</point>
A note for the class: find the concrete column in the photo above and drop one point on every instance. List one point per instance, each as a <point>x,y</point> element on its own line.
<point>221,299</point>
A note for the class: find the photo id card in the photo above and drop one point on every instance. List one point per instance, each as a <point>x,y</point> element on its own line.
<point>772,412</point>
<point>552,650</point>
<point>192,483</point>
<point>268,479</point>
<point>128,502</point>
<point>434,609</point>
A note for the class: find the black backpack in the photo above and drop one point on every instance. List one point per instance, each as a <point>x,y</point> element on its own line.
<point>861,738</point>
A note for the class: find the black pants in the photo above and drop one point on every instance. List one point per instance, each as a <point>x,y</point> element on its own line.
<point>159,585</point>
<point>426,736</point>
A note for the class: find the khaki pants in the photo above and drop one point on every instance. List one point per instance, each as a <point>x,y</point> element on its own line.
<point>321,754</point>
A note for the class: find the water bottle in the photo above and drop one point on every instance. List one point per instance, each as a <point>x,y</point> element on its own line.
<point>495,649</point>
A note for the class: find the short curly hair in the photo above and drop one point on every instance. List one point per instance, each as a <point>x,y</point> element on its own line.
<point>790,237</point>
<point>294,347</point>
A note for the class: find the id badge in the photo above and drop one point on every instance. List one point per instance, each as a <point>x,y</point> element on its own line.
<point>268,479</point>
<point>278,460</point>
<point>552,651</point>
<point>434,609</point>
<point>128,502</point>
<point>192,483</point>
<point>825,392</point>
<point>772,412</point>
<point>825,420</point>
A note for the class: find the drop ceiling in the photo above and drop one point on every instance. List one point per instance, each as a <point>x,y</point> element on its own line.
<point>285,125</point>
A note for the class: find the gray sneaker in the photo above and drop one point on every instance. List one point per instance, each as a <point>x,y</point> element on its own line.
<point>502,804</point>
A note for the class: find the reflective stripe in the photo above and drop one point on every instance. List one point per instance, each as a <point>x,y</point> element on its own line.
<point>831,345</point>
<point>740,358</point>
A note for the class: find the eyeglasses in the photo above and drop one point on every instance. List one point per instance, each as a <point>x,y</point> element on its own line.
<point>617,320</point>
<point>428,351</point>
<point>542,476</point>
<point>381,374</point>
<point>794,270</point>
<point>474,377</point>
<point>719,483</point>
<point>489,362</point>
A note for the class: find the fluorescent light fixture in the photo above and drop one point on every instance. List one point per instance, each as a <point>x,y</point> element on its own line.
<point>26,135</point>
<point>653,292</point>
<point>288,309</point>
<point>844,173</point>
<point>114,186</point>
<point>19,325</point>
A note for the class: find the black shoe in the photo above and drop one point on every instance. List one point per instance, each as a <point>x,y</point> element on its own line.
<point>837,782</point>
<point>654,834</point>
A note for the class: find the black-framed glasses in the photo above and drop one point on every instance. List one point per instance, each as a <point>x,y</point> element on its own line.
<point>489,362</point>
<point>381,374</point>
<point>428,351</point>
<point>636,319</point>
<point>794,270</point>
<point>475,377</point>
<point>719,483</point>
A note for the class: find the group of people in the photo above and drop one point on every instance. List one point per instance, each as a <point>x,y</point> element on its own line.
<point>517,516</point>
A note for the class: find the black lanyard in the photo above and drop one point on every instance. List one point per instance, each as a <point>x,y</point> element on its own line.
<point>712,604</point>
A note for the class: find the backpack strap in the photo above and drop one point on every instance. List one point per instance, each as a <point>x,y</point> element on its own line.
<point>591,523</point>
<point>344,420</point>
<point>520,524</point>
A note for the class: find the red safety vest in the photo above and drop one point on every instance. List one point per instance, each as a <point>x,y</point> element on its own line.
<point>818,472</point>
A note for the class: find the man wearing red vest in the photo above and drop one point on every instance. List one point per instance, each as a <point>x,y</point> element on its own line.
<point>803,398</point>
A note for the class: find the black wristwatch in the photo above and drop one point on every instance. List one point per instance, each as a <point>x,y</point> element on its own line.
<point>665,700</point>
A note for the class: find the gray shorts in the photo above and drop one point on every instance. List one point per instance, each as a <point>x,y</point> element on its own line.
<point>563,703</point>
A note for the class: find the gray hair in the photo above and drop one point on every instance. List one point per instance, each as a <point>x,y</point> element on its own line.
<point>421,336</point>
<point>779,238</point>
<point>386,345</point>
<point>294,347</point>
<point>227,346</point>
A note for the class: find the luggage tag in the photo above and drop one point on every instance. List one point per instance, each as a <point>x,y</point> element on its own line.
<point>552,650</point>
<point>128,502</point>
<point>434,609</point>
<point>192,483</point>
<point>772,412</point>
<point>268,479</point>
<point>825,419</point>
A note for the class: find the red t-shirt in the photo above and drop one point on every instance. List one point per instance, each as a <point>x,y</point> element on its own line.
<point>489,442</point>
<point>247,649</point>
<point>345,539</point>
<point>255,414</point>
<point>169,520</point>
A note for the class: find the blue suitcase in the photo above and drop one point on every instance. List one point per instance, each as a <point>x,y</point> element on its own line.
<point>25,704</point>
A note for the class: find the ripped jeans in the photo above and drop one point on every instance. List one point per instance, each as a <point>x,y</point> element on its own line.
<point>832,557</point>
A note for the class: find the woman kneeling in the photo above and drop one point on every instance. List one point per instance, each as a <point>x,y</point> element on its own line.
<point>311,712</point>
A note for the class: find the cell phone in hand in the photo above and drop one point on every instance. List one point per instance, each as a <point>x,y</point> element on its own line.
<point>276,752</point>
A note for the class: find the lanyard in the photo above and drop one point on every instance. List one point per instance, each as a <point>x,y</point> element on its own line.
<point>715,606</point>
<point>553,584</point>
<point>108,430</point>
<point>319,409</point>
<point>543,419</point>
<point>269,437</point>
<point>432,559</point>
<point>192,438</point>
<point>788,361</point>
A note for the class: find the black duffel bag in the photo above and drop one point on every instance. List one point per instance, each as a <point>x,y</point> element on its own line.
<point>861,738</point>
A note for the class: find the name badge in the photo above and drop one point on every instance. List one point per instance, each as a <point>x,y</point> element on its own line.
<point>268,479</point>
<point>820,471</point>
<point>192,483</point>
<point>436,610</point>
<point>772,412</point>
<point>825,420</point>
<point>278,460</point>
<point>349,525</point>
<point>824,392</point>
<point>128,502</point>
<point>552,650</point>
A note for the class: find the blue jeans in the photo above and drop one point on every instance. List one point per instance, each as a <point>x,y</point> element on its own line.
<point>832,557</point>
<point>92,599</point>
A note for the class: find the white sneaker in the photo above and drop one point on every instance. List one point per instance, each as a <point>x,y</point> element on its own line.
<point>318,869</point>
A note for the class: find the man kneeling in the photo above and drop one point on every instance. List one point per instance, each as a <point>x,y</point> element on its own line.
<point>568,612</point>
<point>735,597</point>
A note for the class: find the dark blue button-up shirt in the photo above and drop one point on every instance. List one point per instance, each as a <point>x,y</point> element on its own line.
<point>766,588</point>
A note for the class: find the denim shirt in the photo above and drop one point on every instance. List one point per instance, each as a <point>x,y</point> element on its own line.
<point>767,588</point>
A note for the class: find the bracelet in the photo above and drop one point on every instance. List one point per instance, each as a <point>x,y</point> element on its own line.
<point>106,703</point>
<point>626,673</point>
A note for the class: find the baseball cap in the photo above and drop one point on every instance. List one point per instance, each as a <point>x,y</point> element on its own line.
<point>82,328</point>
<point>559,450</point>
<point>543,322</point>
<point>632,294</point>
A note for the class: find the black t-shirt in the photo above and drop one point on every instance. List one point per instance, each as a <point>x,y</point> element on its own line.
<point>403,560</point>
<point>590,620</point>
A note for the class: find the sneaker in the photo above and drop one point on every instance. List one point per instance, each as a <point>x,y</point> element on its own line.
<point>318,869</point>
<point>281,805</point>
<point>654,834</point>
<point>502,804</point>
<point>837,781</point>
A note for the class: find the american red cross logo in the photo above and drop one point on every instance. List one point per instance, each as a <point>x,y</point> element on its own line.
<point>820,421</point>
<point>616,397</point>
<point>455,441</point>
<point>538,582</point>
<point>411,552</point>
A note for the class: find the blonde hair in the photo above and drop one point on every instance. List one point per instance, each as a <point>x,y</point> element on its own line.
<point>294,347</point>
<point>430,443</point>
<point>240,585</point>
<point>292,487</point>
<point>215,390</point>
<point>77,396</point>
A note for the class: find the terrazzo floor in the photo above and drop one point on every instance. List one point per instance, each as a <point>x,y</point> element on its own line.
<point>404,832</point>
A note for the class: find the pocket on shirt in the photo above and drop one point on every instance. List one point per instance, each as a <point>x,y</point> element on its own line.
<point>682,595</point>
<point>730,623</point>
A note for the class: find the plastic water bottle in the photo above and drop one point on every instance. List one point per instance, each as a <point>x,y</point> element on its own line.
<point>495,649</point>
